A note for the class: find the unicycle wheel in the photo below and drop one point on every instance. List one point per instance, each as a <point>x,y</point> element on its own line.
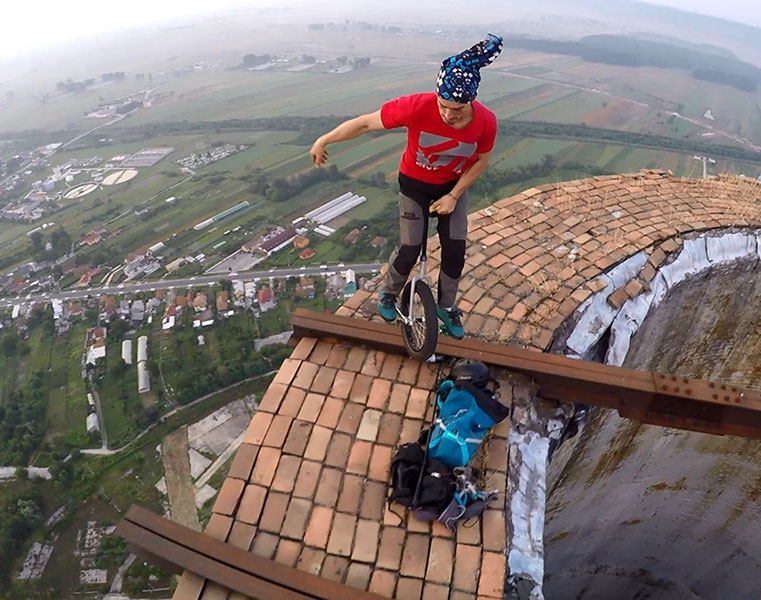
<point>421,334</point>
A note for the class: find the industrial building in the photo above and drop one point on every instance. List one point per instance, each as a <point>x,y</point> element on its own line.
<point>127,351</point>
<point>143,381</point>
<point>221,215</point>
<point>92,423</point>
<point>335,208</point>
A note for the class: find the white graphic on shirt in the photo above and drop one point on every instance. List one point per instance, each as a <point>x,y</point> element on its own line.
<point>436,151</point>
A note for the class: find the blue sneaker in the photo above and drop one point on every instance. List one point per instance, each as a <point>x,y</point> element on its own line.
<point>452,322</point>
<point>387,307</point>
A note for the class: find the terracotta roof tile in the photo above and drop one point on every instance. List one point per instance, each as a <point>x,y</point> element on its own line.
<point>323,381</point>
<point>342,384</point>
<point>265,545</point>
<point>342,534</point>
<point>288,553</point>
<point>382,583</point>
<point>318,443</point>
<point>338,451</point>
<point>311,560</point>
<point>360,388</point>
<point>298,437</point>
<point>359,457</point>
<point>285,475</point>
<point>278,431</point>
<point>241,535</point>
<point>251,504</point>
<point>415,556</point>
<point>380,461</point>
<point>391,366</point>
<point>303,348</point>
<point>330,412</point>
<point>311,407</point>
<point>334,568</point>
<point>328,486</point>
<point>319,527</point>
<point>307,478</point>
<point>491,582</point>
<point>273,513</point>
<point>243,463</point>
<point>409,587</point>
<point>294,525</point>
<point>266,463</point>
<point>358,576</point>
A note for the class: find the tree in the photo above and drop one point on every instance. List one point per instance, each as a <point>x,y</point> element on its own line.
<point>10,343</point>
<point>117,329</point>
<point>36,238</point>
<point>226,285</point>
<point>118,368</point>
<point>91,315</point>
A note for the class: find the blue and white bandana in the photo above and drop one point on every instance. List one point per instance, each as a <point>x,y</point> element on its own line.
<point>459,75</point>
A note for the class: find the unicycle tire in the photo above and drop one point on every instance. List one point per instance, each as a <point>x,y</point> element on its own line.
<point>421,336</point>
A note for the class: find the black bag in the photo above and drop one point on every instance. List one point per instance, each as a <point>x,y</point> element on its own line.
<point>437,485</point>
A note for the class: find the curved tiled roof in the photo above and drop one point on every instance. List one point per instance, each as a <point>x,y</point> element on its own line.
<point>306,486</point>
<point>534,257</point>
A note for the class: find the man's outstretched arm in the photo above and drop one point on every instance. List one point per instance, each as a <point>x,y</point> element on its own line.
<point>345,131</point>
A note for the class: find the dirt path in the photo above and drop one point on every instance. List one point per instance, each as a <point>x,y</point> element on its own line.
<point>179,485</point>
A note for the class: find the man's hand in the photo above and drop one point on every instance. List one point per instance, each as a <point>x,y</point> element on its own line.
<point>318,153</point>
<point>444,205</point>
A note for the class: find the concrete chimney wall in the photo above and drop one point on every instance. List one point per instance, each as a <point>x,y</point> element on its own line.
<point>638,511</point>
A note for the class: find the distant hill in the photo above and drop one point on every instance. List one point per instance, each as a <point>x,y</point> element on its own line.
<point>638,52</point>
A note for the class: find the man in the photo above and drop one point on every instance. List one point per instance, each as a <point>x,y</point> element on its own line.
<point>449,137</point>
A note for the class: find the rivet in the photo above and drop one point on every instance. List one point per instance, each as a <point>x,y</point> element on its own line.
<point>688,391</point>
<point>665,388</point>
<point>685,380</point>
<point>673,378</point>
<point>734,389</point>
<point>723,387</point>
<point>711,385</point>
<point>676,389</point>
<point>715,396</point>
<point>737,400</point>
<point>726,398</point>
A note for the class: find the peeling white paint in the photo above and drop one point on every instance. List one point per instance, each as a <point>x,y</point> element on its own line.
<point>527,505</point>
<point>691,260</point>
<point>625,325</point>
<point>697,255</point>
<point>731,246</point>
<point>597,313</point>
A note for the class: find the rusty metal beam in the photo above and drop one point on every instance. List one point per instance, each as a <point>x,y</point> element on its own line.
<point>655,398</point>
<point>181,548</point>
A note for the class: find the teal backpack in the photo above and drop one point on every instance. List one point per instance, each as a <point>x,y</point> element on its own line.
<point>465,413</point>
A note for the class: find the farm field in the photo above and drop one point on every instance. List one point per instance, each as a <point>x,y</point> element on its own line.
<point>527,86</point>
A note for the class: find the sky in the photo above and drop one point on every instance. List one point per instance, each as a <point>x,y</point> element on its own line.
<point>27,26</point>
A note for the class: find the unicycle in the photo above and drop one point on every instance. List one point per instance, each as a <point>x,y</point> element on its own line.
<point>417,309</point>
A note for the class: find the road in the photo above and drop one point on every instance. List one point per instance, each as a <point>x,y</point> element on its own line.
<point>197,281</point>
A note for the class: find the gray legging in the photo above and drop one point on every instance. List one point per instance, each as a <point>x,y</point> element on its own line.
<point>452,228</point>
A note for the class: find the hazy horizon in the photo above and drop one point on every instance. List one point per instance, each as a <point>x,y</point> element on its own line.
<point>23,32</point>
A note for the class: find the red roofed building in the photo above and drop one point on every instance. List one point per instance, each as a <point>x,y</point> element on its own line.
<point>222,299</point>
<point>266,299</point>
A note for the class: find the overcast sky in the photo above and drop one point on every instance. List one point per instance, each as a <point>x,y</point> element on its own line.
<point>28,25</point>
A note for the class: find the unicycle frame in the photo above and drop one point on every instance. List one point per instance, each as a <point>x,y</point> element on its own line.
<point>421,276</point>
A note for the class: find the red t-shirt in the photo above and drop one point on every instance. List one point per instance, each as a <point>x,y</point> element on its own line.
<point>436,152</point>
